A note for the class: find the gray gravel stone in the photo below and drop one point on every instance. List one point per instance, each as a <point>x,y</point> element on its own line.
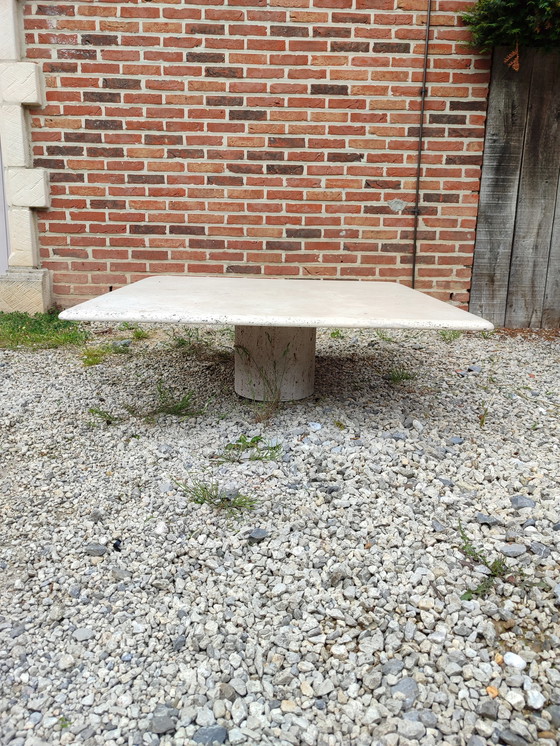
<point>521,501</point>
<point>215,734</point>
<point>257,535</point>
<point>428,718</point>
<point>488,708</point>
<point>486,520</point>
<point>163,724</point>
<point>56,613</point>
<point>476,741</point>
<point>510,738</point>
<point>554,712</point>
<point>539,549</point>
<point>393,667</point>
<point>95,550</point>
<point>409,688</point>
<point>513,550</point>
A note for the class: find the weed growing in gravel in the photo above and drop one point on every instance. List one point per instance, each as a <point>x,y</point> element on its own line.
<point>384,336</point>
<point>141,334</point>
<point>64,723</point>
<point>450,335</point>
<point>264,410</point>
<point>119,348</point>
<point>210,493</point>
<point>192,341</point>
<point>400,374</point>
<point>168,403</point>
<point>337,334</point>
<point>95,355</point>
<point>483,415</point>
<point>497,567</point>
<point>103,415</point>
<point>43,330</point>
<point>253,448</point>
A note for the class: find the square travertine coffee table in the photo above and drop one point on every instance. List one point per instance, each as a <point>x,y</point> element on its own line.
<point>275,320</point>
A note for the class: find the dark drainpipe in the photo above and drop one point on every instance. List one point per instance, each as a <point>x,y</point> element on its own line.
<point>423,94</point>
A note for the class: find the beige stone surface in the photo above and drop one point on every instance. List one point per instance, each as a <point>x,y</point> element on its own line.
<point>274,302</point>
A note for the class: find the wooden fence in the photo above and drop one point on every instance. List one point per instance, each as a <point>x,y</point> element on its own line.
<point>516,273</point>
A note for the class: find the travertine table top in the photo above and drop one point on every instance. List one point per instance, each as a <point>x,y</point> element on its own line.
<point>275,302</point>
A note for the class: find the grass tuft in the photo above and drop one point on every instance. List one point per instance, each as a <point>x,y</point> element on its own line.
<point>384,336</point>
<point>103,415</point>
<point>249,449</point>
<point>95,355</point>
<point>450,335</point>
<point>497,567</point>
<point>210,493</point>
<point>141,334</point>
<point>40,331</point>
<point>168,403</point>
<point>400,374</point>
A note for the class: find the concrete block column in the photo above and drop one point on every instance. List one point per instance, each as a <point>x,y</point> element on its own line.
<point>25,287</point>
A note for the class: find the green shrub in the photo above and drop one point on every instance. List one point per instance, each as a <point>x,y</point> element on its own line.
<point>514,23</point>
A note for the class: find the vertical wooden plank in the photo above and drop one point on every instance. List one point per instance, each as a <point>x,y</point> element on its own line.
<point>503,151</point>
<point>551,305</point>
<point>537,196</point>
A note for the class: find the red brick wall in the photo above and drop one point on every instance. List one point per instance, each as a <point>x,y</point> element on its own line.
<point>244,136</point>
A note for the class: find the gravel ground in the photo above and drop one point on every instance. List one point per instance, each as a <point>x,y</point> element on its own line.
<point>132,615</point>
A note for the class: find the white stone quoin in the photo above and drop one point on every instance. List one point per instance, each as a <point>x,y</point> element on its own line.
<point>275,320</point>
<point>24,287</point>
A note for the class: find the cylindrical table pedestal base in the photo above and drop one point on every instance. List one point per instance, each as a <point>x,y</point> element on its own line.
<point>274,363</point>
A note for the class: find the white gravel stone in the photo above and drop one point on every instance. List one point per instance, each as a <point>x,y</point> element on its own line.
<point>535,699</point>
<point>411,729</point>
<point>65,662</point>
<point>516,699</point>
<point>514,660</point>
